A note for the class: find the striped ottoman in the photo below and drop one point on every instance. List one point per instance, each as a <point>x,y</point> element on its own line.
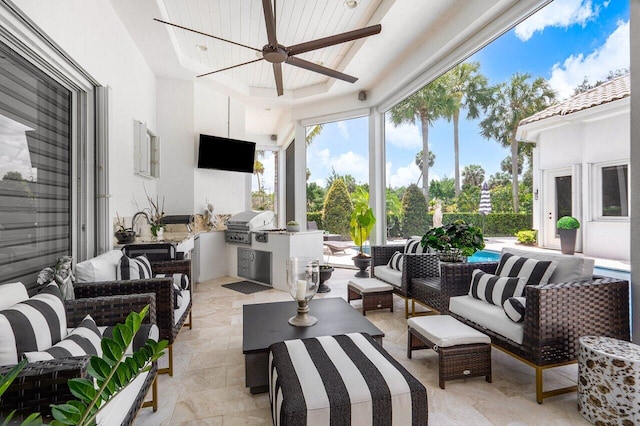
<point>347,379</point>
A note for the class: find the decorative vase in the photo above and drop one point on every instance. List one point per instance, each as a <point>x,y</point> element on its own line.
<point>453,255</point>
<point>303,275</point>
<point>160,233</point>
<point>125,237</point>
<point>568,240</point>
<point>362,263</point>
<point>325,274</point>
<point>293,228</point>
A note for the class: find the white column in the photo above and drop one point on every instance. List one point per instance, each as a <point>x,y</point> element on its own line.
<point>377,181</point>
<point>634,34</point>
<point>300,183</point>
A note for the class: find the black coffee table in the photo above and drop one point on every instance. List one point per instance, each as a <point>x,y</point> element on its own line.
<point>266,323</point>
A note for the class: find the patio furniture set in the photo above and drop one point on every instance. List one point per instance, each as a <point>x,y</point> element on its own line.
<point>108,287</point>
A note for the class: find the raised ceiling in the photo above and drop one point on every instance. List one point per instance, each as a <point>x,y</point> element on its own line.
<point>416,35</point>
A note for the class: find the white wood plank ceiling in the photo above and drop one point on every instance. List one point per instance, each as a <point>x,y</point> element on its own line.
<point>242,21</point>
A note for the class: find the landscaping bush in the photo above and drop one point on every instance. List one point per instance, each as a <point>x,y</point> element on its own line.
<point>337,209</point>
<point>495,224</point>
<point>315,217</point>
<point>415,212</point>
<point>528,238</point>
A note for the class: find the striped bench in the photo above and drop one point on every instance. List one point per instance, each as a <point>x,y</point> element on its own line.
<point>342,380</point>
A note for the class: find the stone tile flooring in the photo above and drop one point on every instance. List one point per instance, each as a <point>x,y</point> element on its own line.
<point>207,387</point>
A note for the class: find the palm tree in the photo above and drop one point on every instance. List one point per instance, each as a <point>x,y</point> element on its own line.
<point>469,90</point>
<point>513,102</point>
<point>473,175</point>
<point>425,106</point>
<point>418,160</point>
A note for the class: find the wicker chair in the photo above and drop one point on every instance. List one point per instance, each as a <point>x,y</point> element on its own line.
<point>413,265</point>
<point>556,316</point>
<point>168,324</point>
<point>434,288</point>
<point>43,383</point>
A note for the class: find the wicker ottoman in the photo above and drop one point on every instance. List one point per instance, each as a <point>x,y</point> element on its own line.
<point>347,379</point>
<point>374,293</point>
<point>463,351</point>
<point>608,378</point>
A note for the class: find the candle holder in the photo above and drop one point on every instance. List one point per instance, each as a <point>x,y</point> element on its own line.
<point>303,275</point>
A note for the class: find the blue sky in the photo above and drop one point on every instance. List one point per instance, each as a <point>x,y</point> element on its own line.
<point>563,43</point>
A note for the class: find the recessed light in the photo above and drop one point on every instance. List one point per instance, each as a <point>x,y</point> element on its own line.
<point>351,4</point>
<point>202,47</point>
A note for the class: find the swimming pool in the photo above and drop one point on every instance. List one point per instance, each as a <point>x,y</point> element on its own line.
<point>492,256</point>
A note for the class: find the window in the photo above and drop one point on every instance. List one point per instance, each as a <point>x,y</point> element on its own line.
<point>35,169</point>
<point>146,151</point>
<point>615,191</point>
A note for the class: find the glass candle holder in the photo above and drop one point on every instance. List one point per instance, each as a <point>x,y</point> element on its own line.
<point>303,276</point>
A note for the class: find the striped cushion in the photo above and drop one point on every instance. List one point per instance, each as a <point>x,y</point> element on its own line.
<point>177,296</point>
<point>396,261</point>
<point>133,268</point>
<point>83,340</point>
<point>414,246</point>
<point>182,280</point>
<point>494,289</point>
<point>12,293</point>
<point>33,325</point>
<point>534,271</point>
<point>514,308</point>
<point>344,379</point>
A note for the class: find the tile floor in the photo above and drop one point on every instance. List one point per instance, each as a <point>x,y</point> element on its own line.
<point>207,387</point>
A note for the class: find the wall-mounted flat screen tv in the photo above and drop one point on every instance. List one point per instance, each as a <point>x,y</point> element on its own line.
<point>220,153</point>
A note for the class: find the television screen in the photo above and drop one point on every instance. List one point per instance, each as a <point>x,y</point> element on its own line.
<point>226,154</point>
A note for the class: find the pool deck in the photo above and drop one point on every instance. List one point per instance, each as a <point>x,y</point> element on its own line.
<point>343,260</point>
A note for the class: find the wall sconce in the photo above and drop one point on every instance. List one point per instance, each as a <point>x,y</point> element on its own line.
<point>535,194</point>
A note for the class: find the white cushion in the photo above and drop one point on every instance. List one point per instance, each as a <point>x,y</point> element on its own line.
<point>177,313</point>
<point>396,261</point>
<point>389,275</point>
<point>12,293</point>
<point>99,268</point>
<point>487,315</point>
<point>445,331</point>
<point>116,410</point>
<point>82,340</point>
<point>568,268</point>
<point>494,289</point>
<point>370,285</point>
<point>35,324</point>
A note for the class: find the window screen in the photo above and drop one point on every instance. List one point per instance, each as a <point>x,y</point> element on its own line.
<point>35,169</point>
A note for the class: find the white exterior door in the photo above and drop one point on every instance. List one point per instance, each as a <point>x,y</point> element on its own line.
<point>558,202</point>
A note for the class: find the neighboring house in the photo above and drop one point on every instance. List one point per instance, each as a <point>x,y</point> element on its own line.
<point>581,168</point>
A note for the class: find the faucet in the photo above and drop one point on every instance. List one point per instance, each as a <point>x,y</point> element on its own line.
<point>135,217</point>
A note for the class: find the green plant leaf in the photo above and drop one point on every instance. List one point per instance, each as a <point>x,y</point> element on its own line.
<point>6,380</point>
<point>66,414</point>
<point>123,335</point>
<point>111,351</point>
<point>98,368</point>
<point>82,389</point>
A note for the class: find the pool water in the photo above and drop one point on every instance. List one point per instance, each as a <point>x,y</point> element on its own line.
<point>492,256</point>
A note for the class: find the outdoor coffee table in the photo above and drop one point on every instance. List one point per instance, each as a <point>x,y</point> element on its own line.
<point>266,323</point>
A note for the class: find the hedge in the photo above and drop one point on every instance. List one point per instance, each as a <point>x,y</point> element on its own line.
<point>495,224</point>
<point>315,217</point>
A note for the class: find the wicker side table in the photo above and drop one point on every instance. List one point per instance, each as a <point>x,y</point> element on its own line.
<point>608,378</point>
<point>463,351</point>
<point>375,294</point>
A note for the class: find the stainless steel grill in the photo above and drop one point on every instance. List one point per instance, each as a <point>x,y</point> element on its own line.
<point>239,226</point>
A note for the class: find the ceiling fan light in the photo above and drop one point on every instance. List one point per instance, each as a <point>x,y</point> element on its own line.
<point>351,4</point>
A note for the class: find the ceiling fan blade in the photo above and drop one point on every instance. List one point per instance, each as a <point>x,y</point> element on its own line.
<point>334,39</point>
<point>205,34</point>
<point>270,22</point>
<point>301,63</point>
<point>228,68</point>
<point>277,73</point>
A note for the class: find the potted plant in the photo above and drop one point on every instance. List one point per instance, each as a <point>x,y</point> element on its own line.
<point>454,241</point>
<point>293,226</point>
<point>360,227</point>
<point>325,274</point>
<point>123,234</point>
<point>568,229</point>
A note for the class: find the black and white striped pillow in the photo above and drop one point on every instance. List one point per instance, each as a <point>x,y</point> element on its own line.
<point>414,246</point>
<point>181,280</point>
<point>33,325</point>
<point>514,308</point>
<point>396,261</point>
<point>177,296</point>
<point>533,270</point>
<point>494,289</point>
<point>133,268</point>
<point>83,340</point>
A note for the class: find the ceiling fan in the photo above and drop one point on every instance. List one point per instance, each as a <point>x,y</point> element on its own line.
<point>277,54</point>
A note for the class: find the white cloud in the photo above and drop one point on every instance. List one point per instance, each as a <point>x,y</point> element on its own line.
<point>352,164</point>
<point>560,13</point>
<point>611,56</point>
<point>342,127</point>
<point>405,136</point>
<point>403,176</point>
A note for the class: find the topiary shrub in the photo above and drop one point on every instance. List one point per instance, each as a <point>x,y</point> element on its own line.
<point>336,215</point>
<point>568,222</point>
<point>414,204</point>
<point>527,238</point>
